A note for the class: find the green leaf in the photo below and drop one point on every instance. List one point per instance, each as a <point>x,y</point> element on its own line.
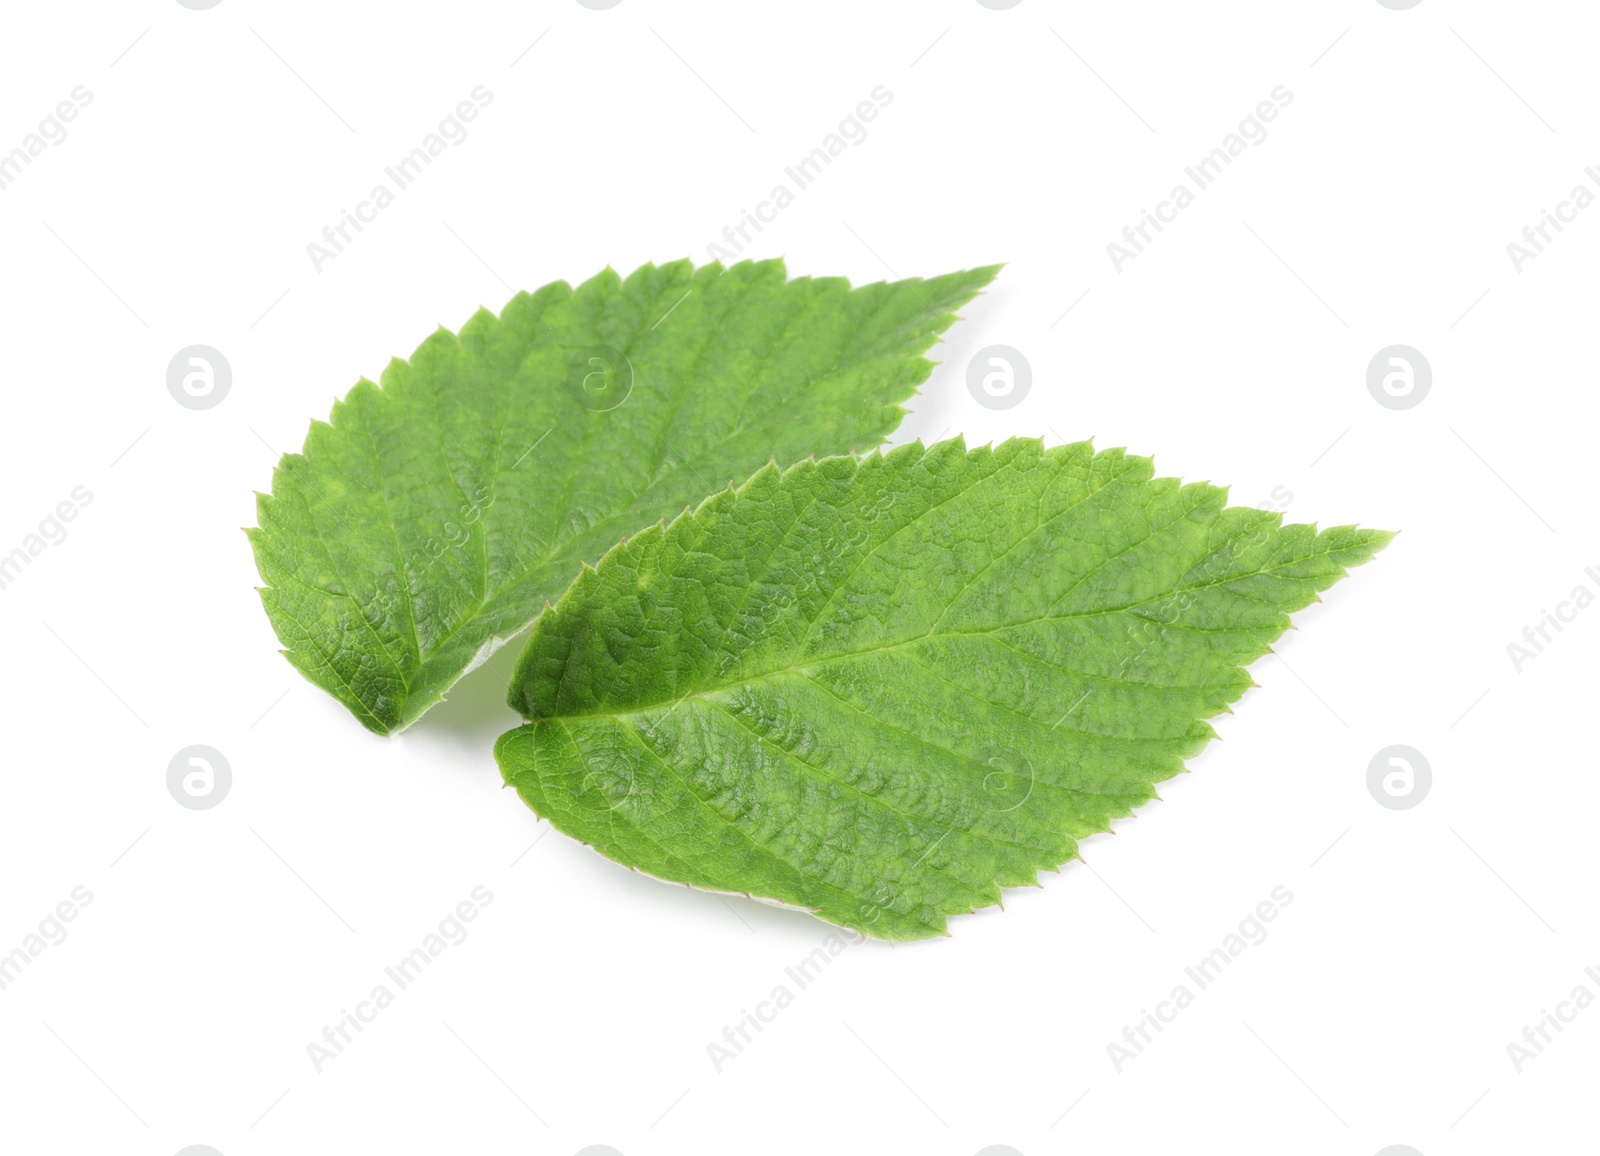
<point>884,689</point>
<point>429,520</point>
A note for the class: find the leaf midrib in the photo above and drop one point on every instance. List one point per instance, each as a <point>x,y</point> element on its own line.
<point>808,666</point>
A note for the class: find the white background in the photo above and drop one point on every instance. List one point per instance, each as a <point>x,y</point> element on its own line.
<point>219,943</point>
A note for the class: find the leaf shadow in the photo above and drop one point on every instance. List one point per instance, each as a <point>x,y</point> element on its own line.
<point>474,712</point>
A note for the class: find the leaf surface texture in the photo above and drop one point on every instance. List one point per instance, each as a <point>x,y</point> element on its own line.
<point>434,513</point>
<point>884,689</point>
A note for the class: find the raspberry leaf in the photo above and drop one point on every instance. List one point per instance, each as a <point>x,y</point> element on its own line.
<point>432,516</point>
<point>884,689</point>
